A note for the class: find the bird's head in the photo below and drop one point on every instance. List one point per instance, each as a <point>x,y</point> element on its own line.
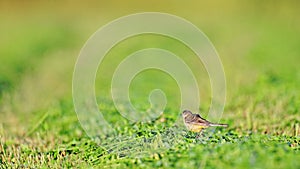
<point>185,113</point>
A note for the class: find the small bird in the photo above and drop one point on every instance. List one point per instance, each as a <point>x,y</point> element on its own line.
<point>195,123</point>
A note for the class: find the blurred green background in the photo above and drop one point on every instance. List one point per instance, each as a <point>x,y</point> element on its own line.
<point>257,41</point>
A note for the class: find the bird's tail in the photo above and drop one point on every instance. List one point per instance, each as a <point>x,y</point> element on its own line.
<point>218,125</point>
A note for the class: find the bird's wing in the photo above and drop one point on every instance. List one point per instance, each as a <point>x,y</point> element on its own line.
<point>198,120</point>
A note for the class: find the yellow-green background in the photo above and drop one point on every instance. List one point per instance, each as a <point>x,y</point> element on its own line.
<point>257,41</point>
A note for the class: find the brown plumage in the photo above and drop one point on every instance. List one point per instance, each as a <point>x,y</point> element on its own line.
<point>195,123</point>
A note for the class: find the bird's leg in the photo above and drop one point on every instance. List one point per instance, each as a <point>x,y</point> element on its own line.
<point>199,135</point>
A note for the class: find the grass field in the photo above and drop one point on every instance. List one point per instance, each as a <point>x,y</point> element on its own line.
<point>258,43</point>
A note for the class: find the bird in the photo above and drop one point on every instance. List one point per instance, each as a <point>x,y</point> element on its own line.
<point>195,123</point>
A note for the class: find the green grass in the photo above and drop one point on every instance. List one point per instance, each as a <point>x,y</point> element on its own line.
<point>258,44</point>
